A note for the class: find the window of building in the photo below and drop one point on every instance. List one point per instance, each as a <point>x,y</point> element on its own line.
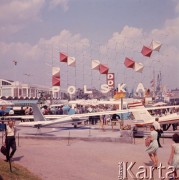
<point>4,83</point>
<point>15,92</point>
<point>6,92</point>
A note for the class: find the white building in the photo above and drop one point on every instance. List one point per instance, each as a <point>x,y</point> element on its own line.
<point>15,89</point>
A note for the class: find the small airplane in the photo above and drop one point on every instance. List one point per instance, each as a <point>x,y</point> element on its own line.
<point>141,115</point>
<point>41,121</point>
<point>144,118</point>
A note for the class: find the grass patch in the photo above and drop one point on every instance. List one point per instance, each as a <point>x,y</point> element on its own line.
<point>18,172</point>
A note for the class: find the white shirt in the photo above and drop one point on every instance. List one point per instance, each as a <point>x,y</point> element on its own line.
<point>11,112</point>
<point>10,131</point>
<point>156,125</point>
<point>43,111</point>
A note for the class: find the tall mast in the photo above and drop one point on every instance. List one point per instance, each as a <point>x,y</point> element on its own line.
<point>154,83</point>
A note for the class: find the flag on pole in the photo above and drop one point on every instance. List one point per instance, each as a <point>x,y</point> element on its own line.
<point>152,83</point>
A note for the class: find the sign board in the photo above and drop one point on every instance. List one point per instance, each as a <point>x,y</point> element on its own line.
<point>110,80</point>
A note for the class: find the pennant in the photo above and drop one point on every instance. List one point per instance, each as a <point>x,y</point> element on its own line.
<point>146,51</point>
<point>63,57</point>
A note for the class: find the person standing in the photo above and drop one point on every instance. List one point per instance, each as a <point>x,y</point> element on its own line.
<point>157,127</point>
<point>152,146</point>
<point>174,155</point>
<point>11,112</point>
<point>10,139</point>
<point>115,118</point>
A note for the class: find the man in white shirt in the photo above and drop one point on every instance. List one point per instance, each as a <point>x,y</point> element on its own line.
<point>156,124</point>
<point>10,139</point>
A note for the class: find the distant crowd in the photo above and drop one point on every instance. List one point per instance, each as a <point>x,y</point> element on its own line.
<point>163,112</point>
<point>79,109</point>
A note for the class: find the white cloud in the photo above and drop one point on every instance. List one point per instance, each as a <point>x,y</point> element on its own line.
<point>61,42</point>
<point>169,55</point>
<point>129,43</point>
<point>177,7</point>
<point>62,3</point>
<point>32,58</point>
<point>123,39</point>
<point>169,34</point>
<point>16,14</point>
<point>66,38</point>
<point>19,11</point>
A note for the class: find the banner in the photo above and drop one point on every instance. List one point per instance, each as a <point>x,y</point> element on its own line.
<point>55,79</point>
<point>110,80</point>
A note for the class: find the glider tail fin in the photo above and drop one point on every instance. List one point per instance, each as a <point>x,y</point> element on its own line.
<point>38,116</point>
<point>142,114</point>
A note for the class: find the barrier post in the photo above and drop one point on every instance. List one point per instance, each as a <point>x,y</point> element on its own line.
<point>133,138</point>
<point>89,132</point>
<point>68,139</point>
<point>134,131</point>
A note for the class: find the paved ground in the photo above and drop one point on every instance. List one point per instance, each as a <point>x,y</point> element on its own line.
<point>89,154</point>
<point>84,160</point>
<point>88,133</point>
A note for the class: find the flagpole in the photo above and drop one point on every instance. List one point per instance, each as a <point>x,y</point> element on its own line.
<point>52,74</point>
<point>154,83</point>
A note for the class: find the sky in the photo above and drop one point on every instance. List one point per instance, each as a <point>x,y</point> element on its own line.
<point>34,32</point>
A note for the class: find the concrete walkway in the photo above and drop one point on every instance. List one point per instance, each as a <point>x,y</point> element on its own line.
<point>86,153</point>
<point>84,160</point>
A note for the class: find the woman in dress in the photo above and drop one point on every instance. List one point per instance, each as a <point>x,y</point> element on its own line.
<point>152,146</point>
<point>174,155</point>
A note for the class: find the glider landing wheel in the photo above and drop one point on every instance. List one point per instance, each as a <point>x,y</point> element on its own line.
<point>38,126</point>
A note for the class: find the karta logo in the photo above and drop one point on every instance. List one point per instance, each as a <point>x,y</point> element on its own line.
<point>126,171</point>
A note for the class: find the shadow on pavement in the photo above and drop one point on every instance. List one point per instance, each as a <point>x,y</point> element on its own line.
<point>17,158</point>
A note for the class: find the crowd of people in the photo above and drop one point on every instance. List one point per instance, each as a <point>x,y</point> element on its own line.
<point>78,109</point>
<point>163,112</point>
